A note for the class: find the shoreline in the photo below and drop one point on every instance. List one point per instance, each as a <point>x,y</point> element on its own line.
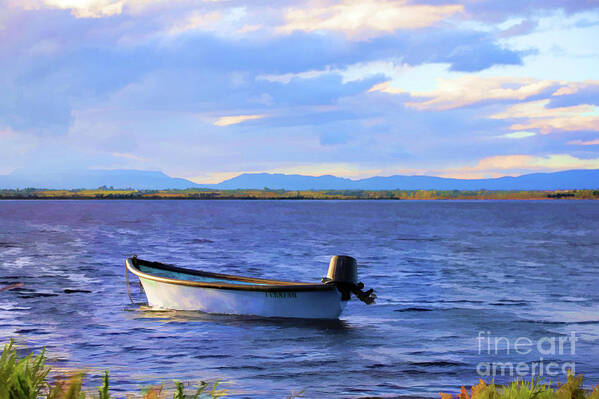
<point>297,195</point>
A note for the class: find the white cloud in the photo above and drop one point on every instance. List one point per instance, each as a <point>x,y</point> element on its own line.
<point>95,8</point>
<point>518,135</point>
<point>88,8</point>
<point>575,87</point>
<point>551,120</point>
<point>470,89</point>
<point>235,119</point>
<point>365,19</point>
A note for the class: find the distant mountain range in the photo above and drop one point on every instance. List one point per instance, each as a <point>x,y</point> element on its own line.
<point>566,180</point>
<point>120,178</point>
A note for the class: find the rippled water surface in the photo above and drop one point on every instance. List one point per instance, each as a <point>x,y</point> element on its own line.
<point>445,273</point>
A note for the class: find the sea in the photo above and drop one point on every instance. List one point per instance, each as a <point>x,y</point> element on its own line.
<point>467,290</point>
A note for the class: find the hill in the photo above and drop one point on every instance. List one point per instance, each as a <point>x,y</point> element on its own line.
<point>120,178</point>
<point>150,180</point>
<point>566,180</point>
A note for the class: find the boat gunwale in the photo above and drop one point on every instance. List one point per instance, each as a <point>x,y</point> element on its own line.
<point>273,285</point>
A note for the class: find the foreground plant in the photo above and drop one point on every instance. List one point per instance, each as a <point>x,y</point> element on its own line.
<point>533,389</point>
<point>26,378</point>
<point>22,378</point>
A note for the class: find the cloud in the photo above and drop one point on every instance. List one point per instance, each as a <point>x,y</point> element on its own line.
<point>470,89</point>
<point>580,142</point>
<point>288,77</point>
<point>85,61</point>
<point>88,8</point>
<point>500,165</point>
<point>234,120</point>
<point>498,11</point>
<point>575,93</point>
<point>518,135</point>
<point>196,20</point>
<point>154,76</point>
<point>7,132</point>
<point>522,28</point>
<point>249,28</point>
<point>97,8</point>
<point>127,156</point>
<point>551,120</point>
<point>365,19</point>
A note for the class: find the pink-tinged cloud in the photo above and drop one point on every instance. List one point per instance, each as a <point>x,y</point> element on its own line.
<point>501,165</point>
<point>234,120</point>
<point>470,89</point>
<point>7,132</point>
<point>127,156</point>
<point>365,19</point>
<point>581,142</point>
<point>575,87</point>
<point>551,120</point>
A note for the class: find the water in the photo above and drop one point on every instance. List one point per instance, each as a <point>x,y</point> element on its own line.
<point>445,273</point>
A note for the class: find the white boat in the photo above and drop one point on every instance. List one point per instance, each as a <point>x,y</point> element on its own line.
<point>170,287</point>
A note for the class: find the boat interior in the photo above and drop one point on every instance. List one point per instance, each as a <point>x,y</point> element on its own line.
<point>178,275</point>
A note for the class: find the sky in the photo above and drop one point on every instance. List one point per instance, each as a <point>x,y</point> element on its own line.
<point>207,90</point>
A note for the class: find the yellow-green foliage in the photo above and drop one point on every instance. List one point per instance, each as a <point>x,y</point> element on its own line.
<point>26,378</point>
<point>533,389</point>
<point>21,378</point>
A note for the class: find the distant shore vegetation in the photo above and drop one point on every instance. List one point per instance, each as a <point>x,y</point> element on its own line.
<point>269,194</point>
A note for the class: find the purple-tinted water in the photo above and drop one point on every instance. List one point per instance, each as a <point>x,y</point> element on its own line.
<point>446,273</point>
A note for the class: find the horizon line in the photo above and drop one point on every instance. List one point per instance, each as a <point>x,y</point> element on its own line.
<point>237,174</point>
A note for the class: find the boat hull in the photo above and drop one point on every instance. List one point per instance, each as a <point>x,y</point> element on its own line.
<point>320,304</point>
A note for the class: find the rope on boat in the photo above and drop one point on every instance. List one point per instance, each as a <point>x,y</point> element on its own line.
<point>127,279</point>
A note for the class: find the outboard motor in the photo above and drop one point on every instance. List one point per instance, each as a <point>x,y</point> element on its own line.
<point>343,272</point>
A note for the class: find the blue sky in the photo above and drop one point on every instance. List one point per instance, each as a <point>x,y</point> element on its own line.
<point>209,89</point>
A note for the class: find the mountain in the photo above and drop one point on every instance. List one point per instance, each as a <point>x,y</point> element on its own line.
<point>123,178</point>
<point>566,180</point>
<point>281,181</point>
